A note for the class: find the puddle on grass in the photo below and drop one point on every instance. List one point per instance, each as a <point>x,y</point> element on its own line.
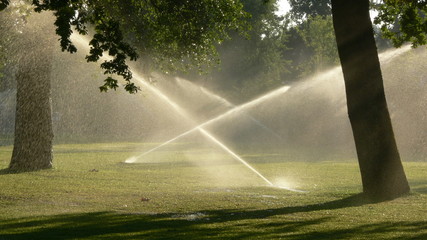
<point>191,217</point>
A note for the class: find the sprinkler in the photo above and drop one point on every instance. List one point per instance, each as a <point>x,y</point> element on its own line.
<point>288,188</point>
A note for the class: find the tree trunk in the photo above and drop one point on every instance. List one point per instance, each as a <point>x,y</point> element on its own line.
<point>381,169</point>
<point>32,148</point>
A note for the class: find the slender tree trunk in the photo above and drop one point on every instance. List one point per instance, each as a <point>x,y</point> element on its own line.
<point>382,172</point>
<point>32,148</point>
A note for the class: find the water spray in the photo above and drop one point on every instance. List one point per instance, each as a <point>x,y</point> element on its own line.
<point>230,105</point>
<point>234,110</point>
<point>384,57</point>
<point>289,189</point>
<point>199,128</point>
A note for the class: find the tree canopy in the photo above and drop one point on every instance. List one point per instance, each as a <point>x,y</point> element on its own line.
<point>171,34</point>
<point>303,9</point>
<point>254,63</point>
<point>403,21</point>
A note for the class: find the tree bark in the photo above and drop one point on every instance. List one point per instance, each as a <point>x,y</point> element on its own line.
<point>381,169</point>
<point>32,148</point>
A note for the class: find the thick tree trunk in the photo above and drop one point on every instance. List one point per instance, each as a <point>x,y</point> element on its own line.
<point>32,148</point>
<point>382,172</point>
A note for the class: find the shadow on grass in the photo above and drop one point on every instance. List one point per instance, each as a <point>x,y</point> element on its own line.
<point>422,190</point>
<point>219,224</point>
<point>6,171</point>
<point>419,187</point>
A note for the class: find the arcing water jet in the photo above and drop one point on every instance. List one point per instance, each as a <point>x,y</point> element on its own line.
<point>234,110</point>
<point>219,143</point>
<point>207,134</point>
<point>200,127</point>
<point>229,105</point>
<point>183,113</point>
<point>384,57</point>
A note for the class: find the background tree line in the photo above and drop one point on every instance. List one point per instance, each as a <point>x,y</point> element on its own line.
<point>278,50</point>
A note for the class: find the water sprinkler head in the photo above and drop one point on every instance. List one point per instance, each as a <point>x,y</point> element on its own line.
<point>131,160</point>
<point>285,185</point>
<point>288,188</point>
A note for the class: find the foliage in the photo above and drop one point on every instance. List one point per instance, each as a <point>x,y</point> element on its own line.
<point>4,4</point>
<point>318,34</point>
<point>303,9</point>
<point>310,43</point>
<point>411,18</point>
<point>255,64</point>
<point>173,33</point>
<point>311,39</point>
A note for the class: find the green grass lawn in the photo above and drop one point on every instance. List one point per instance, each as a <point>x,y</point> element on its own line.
<point>199,194</point>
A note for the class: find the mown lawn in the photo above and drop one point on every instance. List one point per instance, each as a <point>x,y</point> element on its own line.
<point>92,194</point>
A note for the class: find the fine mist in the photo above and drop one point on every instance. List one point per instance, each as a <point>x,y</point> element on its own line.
<point>307,122</point>
<point>310,122</point>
